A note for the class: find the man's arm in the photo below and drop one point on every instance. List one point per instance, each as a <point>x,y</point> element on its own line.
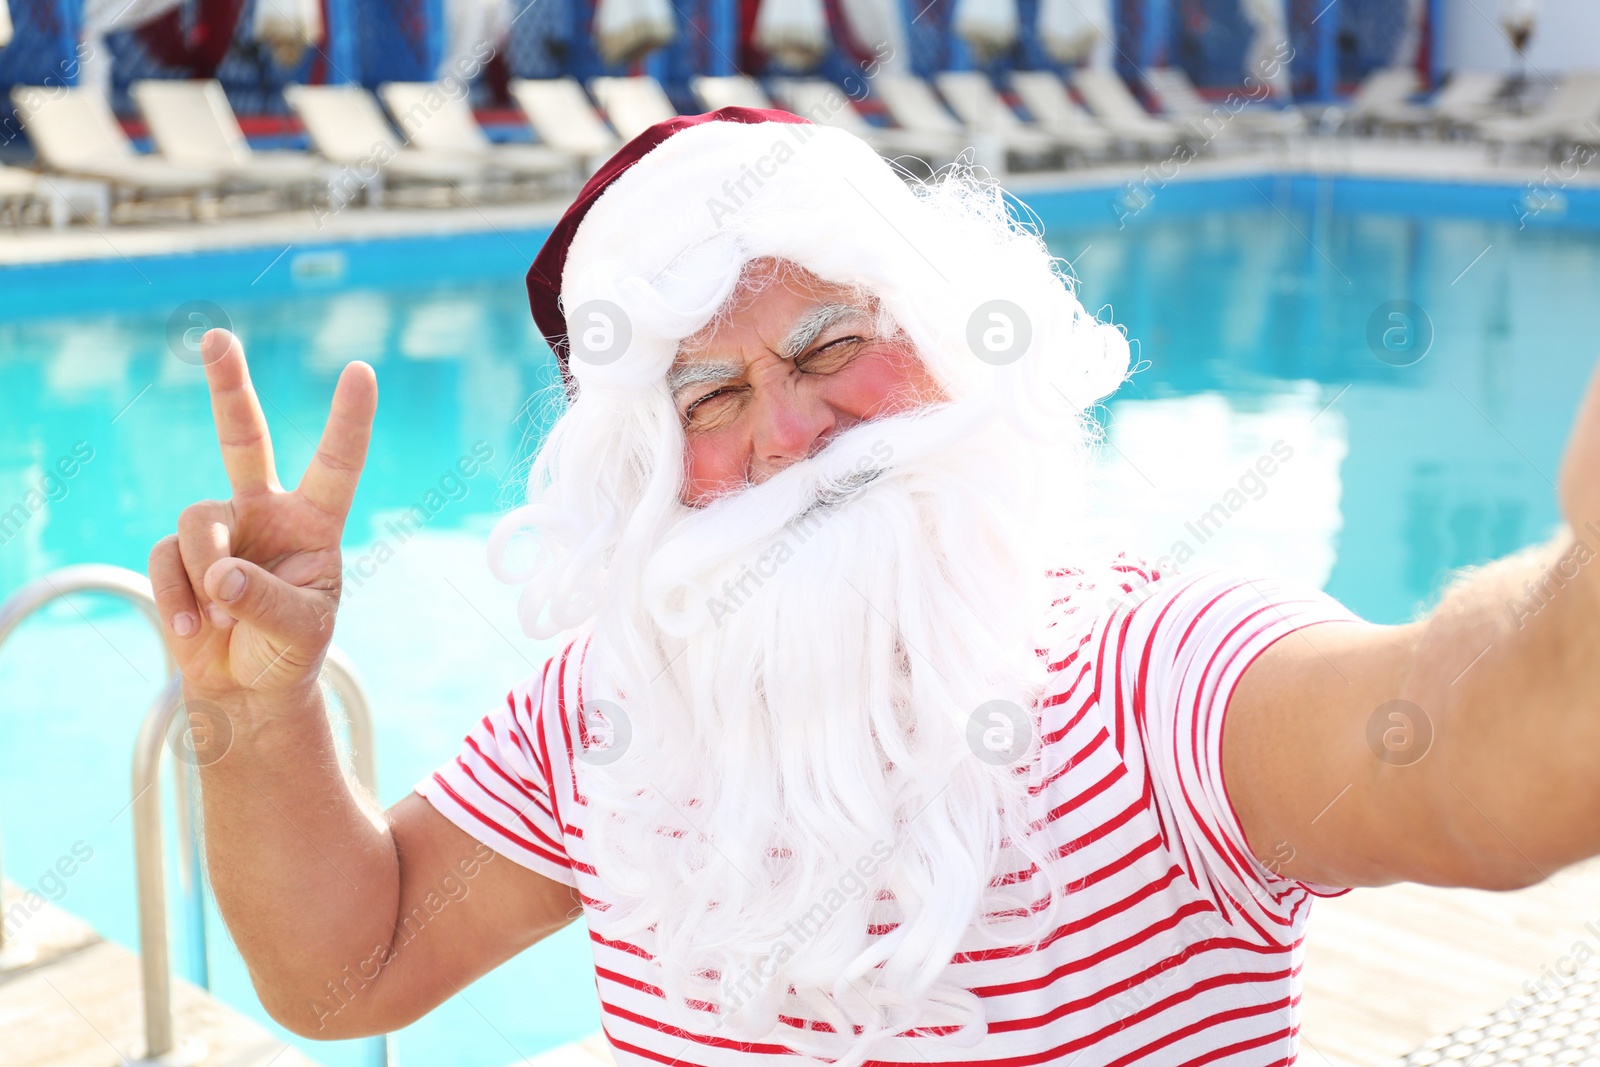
<point>351,921</point>
<point>1456,750</point>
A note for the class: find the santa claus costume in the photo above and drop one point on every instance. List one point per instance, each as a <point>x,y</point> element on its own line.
<point>859,763</point>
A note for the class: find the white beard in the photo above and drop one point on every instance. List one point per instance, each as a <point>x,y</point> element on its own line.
<point>800,666</point>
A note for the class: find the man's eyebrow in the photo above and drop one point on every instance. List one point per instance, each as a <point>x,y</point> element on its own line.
<point>698,372</point>
<point>809,327</point>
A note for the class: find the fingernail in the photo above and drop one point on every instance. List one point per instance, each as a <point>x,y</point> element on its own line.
<point>183,624</point>
<point>232,584</point>
<point>219,618</point>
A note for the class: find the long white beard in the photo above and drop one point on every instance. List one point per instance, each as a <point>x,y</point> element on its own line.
<point>809,671</point>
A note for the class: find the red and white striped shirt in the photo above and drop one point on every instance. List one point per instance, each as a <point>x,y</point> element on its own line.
<point>1178,946</point>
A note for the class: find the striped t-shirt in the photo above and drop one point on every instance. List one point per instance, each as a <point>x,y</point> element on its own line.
<point>1176,947</point>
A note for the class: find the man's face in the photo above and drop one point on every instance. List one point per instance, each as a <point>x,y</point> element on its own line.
<point>795,361</point>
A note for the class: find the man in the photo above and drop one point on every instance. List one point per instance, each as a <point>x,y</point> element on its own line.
<point>844,753</point>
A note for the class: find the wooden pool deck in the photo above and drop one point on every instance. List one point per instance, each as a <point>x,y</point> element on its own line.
<point>78,1005</point>
<point>1387,969</point>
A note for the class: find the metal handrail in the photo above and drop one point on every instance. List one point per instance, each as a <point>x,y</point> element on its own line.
<point>155,965</point>
<point>340,675</point>
<point>81,578</point>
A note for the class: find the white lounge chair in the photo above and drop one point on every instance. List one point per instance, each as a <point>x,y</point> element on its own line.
<point>346,126</point>
<point>1180,101</point>
<point>562,116</point>
<point>912,103</point>
<point>973,98</point>
<point>74,132</point>
<point>193,125</point>
<point>1053,109</point>
<point>18,190</point>
<point>632,105</point>
<point>1569,115</point>
<point>733,90</point>
<point>1467,97</point>
<point>826,104</point>
<point>1122,114</point>
<point>436,121</point>
<point>1382,90</point>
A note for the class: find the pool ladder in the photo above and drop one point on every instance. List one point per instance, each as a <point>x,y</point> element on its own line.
<point>162,726</point>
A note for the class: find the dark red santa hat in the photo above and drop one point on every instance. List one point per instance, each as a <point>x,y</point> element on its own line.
<point>544,277</point>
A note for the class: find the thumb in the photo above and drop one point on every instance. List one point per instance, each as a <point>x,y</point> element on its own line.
<point>249,593</point>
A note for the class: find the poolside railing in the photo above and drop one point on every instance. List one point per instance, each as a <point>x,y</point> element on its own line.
<point>161,725</point>
<point>40,593</point>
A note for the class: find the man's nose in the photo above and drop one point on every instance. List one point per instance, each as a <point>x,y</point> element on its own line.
<point>792,424</point>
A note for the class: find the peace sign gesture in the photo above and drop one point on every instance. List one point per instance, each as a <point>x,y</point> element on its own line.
<point>248,587</point>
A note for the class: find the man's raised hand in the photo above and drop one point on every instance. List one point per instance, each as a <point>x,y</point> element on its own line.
<point>248,587</point>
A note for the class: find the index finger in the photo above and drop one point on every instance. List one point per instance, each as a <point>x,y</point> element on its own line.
<point>330,480</point>
<point>241,425</point>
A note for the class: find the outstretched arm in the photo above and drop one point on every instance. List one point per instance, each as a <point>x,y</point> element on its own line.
<point>1455,750</point>
<point>351,920</point>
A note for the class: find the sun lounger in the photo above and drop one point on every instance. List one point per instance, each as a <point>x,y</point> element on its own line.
<point>632,105</point>
<point>1227,119</point>
<point>346,126</point>
<point>1046,99</point>
<point>1124,117</point>
<point>1467,97</point>
<point>436,121</point>
<point>562,116</point>
<point>193,125</point>
<point>74,132</point>
<point>734,90</point>
<point>973,98</point>
<point>911,102</point>
<point>826,104</point>
<point>1382,90</point>
<point>1569,115</point>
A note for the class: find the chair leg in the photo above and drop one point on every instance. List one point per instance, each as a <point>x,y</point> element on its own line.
<point>59,209</point>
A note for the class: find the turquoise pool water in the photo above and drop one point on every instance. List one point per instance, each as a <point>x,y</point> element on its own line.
<point>1260,307</point>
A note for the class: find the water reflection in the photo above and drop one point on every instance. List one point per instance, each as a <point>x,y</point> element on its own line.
<point>1449,461</point>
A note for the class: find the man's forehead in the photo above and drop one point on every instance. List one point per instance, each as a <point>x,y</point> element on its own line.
<point>786,325</point>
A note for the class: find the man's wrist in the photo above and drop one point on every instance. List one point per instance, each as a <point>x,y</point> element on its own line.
<point>257,722</point>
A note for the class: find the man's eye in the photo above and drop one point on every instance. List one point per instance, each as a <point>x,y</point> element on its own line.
<point>833,356</point>
<point>712,409</point>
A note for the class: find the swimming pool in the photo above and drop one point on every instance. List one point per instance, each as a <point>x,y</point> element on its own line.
<point>1264,306</point>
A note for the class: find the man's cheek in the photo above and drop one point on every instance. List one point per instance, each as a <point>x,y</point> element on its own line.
<point>711,469</point>
<point>884,381</point>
